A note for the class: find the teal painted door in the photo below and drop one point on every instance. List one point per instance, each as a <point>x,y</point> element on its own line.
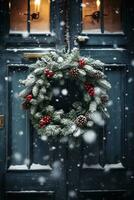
<point>104,170</point>
<point>35,168</point>
<point>30,167</point>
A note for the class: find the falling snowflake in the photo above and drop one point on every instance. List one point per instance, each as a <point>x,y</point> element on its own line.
<point>62,23</point>
<point>17,156</point>
<point>115,46</point>
<point>7,78</point>
<point>130,134</point>
<point>126,108</point>
<point>46,158</point>
<point>20,133</point>
<point>56,91</point>
<point>16,95</point>
<point>53,148</point>
<point>110,103</point>
<point>72,194</point>
<point>83,5</point>
<point>44,137</point>
<point>56,172</point>
<point>27,161</point>
<point>115,127</point>
<point>89,136</point>
<point>41,180</point>
<point>64,92</point>
<point>130,80</point>
<point>64,139</point>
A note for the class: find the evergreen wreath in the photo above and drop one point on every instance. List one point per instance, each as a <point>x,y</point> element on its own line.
<point>40,89</point>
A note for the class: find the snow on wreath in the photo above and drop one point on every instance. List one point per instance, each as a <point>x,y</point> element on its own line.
<point>86,80</point>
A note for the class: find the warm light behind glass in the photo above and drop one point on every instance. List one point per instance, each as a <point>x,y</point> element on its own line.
<point>42,24</point>
<point>19,12</point>
<point>18,17</point>
<point>112,18</point>
<point>98,4</point>
<point>37,4</point>
<point>89,23</point>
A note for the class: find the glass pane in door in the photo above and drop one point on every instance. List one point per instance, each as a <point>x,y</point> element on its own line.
<point>40,16</point>
<point>112,16</point>
<point>18,16</point>
<point>91,16</point>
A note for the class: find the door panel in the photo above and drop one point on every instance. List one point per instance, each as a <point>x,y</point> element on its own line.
<point>114,40</point>
<point>33,163</point>
<point>23,144</point>
<point>107,55</point>
<point>115,133</point>
<point>41,155</point>
<point>103,165</point>
<point>18,121</point>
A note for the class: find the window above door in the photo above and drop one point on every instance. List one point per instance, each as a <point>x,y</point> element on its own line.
<point>29,16</point>
<point>31,23</point>
<point>102,16</point>
<point>100,23</point>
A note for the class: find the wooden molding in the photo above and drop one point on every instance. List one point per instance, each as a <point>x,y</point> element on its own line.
<point>33,55</point>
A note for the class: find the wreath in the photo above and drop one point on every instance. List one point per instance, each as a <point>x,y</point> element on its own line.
<point>41,93</point>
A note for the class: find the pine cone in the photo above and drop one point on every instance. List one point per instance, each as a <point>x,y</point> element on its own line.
<point>26,105</point>
<point>74,72</point>
<point>81,120</point>
<point>104,99</point>
<point>97,75</point>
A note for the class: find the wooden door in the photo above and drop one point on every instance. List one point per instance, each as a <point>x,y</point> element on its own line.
<point>104,169</point>
<point>31,167</point>
<point>35,168</point>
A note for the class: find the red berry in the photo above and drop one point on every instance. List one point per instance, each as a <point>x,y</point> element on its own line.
<point>45,121</point>
<point>29,97</point>
<point>48,73</point>
<point>46,70</point>
<point>90,89</point>
<point>42,123</point>
<point>81,63</point>
<point>91,92</point>
<point>51,74</point>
